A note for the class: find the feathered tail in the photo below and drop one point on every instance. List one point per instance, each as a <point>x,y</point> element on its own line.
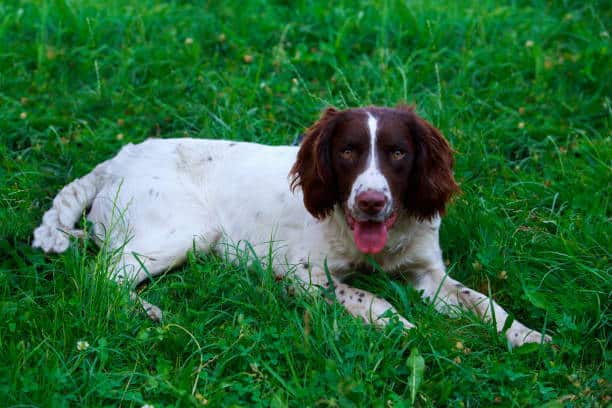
<point>58,222</point>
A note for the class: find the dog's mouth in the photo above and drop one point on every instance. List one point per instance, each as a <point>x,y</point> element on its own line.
<point>370,235</point>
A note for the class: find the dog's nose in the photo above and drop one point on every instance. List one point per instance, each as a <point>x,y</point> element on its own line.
<point>371,202</point>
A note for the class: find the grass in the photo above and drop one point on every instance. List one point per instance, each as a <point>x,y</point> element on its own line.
<point>521,89</point>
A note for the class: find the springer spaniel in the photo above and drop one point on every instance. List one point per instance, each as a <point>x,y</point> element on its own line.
<point>365,184</point>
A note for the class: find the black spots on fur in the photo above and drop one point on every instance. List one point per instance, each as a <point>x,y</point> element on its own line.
<point>360,300</point>
<point>360,294</point>
<point>306,265</point>
<point>466,292</point>
<point>209,158</point>
<point>342,301</point>
<point>232,144</point>
<point>342,292</point>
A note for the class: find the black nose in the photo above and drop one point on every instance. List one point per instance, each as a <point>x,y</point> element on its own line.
<point>371,202</point>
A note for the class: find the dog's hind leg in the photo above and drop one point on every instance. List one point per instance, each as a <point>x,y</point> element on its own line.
<point>133,268</point>
<point>146,258</point>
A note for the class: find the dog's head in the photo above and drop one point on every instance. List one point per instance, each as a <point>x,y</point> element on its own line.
<point>374,163</point>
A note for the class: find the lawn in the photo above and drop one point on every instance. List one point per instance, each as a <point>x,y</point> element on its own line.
<point>521,89</point>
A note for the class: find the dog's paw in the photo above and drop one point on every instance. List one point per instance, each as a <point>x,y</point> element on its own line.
<point>385,321</point>
<point>50,239</point>
<point>519,334</point>
<point>153,312</point>
<point>406,323</point>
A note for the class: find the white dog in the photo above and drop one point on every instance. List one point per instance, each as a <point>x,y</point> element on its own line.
<point>369,182</point>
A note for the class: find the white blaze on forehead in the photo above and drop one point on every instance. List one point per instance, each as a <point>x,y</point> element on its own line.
<point>371,178</point>
<point>372,125</point>
<point>372,166</point>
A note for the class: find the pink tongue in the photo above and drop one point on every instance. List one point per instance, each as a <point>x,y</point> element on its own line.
<point>370,237</point>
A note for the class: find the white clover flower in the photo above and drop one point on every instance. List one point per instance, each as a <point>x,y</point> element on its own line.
<point>82,345</point>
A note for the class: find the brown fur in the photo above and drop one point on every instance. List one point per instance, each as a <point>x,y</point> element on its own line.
<point>432,183</point>
<point>423,181</point>
<point>312,170</point>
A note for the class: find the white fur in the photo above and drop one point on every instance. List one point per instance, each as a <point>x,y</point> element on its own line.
<point>158,199</point>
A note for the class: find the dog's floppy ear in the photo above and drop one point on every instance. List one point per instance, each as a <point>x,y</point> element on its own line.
<point>431,183</point>
<point>313,171</point>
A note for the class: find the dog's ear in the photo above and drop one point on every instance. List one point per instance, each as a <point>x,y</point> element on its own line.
<point>431,183</point>
<point>313,170</point>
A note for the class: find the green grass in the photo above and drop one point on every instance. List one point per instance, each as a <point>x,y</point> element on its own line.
<point>521,89</point>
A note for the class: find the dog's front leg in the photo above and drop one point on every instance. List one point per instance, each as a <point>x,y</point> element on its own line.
<point>448,293</point>
<point>359,303</point>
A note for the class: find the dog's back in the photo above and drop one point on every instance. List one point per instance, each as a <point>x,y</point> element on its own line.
<point>179,189</point>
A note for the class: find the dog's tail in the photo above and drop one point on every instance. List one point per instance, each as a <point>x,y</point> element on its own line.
<point>53,235</point>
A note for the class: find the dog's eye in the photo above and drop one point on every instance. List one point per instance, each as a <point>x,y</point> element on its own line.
<point>398,154</point>
<point>347,153</point>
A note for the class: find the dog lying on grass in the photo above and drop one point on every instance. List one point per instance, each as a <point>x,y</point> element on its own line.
<point>365,184</point>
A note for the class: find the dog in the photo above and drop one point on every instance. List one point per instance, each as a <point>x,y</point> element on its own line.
<point>365,185</point>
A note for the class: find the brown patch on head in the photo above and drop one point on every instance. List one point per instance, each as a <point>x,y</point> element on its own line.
<point>312,170</point>
<point>431,183</point>
<point>396,150</point>
<point>323,172</point>
<point>350,150</point>
<point>413,156</point>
